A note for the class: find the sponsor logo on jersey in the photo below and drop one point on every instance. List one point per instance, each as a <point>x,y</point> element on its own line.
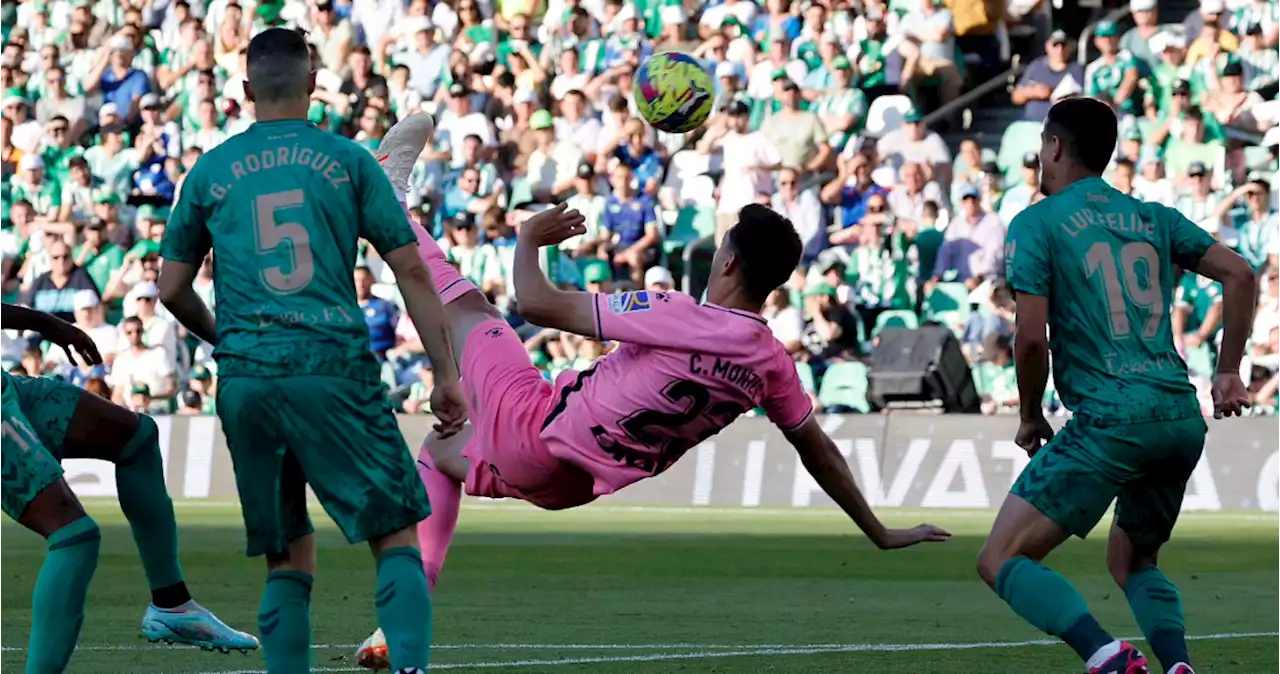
<point>628,303</point>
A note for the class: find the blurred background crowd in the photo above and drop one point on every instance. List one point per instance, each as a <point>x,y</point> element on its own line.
<point>899,137</point>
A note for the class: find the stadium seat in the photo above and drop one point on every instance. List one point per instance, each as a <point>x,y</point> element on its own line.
<point>1179,155</point>
<point>885,114</point>
<point>697,190</point>
<point>1019,139</point>
<point>947,297</point>
<point>955,320</point>
<point>692,223</point>
<point>844,387</point>
<point>805,372</point>
<point>895,318</point>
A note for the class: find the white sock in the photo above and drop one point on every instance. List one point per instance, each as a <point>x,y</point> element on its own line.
<point>1103,654</point>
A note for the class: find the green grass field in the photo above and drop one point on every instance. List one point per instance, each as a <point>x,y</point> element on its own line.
<point>614,589</point>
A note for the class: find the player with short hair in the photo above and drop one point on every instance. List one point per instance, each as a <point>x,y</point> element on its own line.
<point>684,371</point>
<point>47,420</point>
<point>283,206</point>
<point>1098,266</point>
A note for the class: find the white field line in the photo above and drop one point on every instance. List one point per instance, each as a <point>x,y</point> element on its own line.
<point>451,647</point>
<point>753,652</point>
<point>741,651</point>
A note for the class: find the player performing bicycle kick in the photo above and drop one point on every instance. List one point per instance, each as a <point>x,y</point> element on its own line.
<point>682,373</point>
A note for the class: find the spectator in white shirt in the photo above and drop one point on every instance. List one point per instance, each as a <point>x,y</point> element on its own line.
<point>1152,185</point>
<point>553,165</point>
<point>157,330</point>
<point>91,320</point>
<point>785,321</point>
<point>138,364</point>
<point>575,124</point>
<point>908,198</point>
<point>803,208</point>
<point>749,158</point>
<point>930,48</point>
<point>914,143</point>
<point>457,123</point>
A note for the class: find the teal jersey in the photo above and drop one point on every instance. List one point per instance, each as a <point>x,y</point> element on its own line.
<point>1105,262</point>
<point>283,206</point>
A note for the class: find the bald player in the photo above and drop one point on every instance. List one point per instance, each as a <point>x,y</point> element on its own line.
<point>283,206</point>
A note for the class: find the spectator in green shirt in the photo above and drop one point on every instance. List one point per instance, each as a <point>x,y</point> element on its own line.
<point>31,184</point>
<point>868,54</point>
<point>202,382</point>
<point>150,225</point>
<point>98,256</point>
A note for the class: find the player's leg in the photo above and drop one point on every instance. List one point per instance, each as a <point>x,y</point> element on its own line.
<point>85,426</point>
<point>443,469</point>
<point>355,459</point>
<point>465,305</point>
<point>273,502</point>
<point>1146,512</point>
<point>1056,496</point>
<point>35,495</point>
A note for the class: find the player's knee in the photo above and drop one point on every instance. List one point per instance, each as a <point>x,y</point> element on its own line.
<point>145,439</point>
<point>52,509</point>
<point>1124,566</point>
<point>402,538</point>
<point>990,559</point>
<point>299,555</point>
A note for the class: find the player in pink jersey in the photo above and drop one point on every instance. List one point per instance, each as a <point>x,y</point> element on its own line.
<point>682,373</point>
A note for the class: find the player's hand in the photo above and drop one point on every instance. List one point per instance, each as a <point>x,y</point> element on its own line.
<point>1230,396</point>
<point>1033,434</point>
<point>450,408</point>
<point>552,226</point>
<point>903,538</point>
<point>70,338</point>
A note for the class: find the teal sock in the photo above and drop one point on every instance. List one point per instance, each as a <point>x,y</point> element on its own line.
<point>1046,600</point>
<point>61,588</point>
<point>284,622</point>
<point>146,504</point>
<point>404,608</point>
<point>1158,608</point>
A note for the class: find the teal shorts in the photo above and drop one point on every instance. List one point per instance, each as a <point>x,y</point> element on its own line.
<point>1143,467</point>
<point>37,412</point>
<point>338,435</point>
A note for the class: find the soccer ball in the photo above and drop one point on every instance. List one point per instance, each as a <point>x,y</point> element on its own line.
<point>674,91</point>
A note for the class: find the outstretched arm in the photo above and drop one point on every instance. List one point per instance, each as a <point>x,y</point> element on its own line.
<point>53,329</point>
<point>182,301</point>
<point>540,302</point>
<point>827,466</point>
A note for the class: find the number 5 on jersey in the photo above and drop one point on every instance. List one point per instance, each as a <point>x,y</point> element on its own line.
<point>288,239</point>
<point>1141,288</point>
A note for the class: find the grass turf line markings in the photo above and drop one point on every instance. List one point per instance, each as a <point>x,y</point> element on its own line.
<point>748,651</point>
<point>160,647</point>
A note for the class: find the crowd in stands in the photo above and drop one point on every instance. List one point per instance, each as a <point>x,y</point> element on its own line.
<point>824,111</point>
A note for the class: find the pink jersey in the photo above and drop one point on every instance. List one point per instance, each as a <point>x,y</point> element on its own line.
<point>683,372</point>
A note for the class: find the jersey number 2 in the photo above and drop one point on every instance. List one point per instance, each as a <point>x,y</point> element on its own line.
<point>1141,287</point>
<point>654,428</point>
<point>272,235</point>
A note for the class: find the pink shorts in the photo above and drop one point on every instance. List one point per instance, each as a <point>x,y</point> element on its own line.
<point>508,400</point>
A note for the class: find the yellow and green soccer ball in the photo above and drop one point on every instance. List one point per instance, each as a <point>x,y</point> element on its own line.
<point>674,92</point>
